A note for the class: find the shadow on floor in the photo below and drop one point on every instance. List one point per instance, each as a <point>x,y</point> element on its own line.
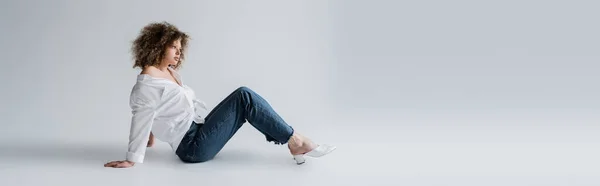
<point>99,153</point>
<point>246,157</point>
<point>61,152</point>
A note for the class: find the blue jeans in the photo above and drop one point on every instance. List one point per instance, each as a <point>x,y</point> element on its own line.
<point>203,141</point>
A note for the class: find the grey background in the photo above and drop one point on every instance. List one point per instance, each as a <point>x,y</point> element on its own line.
<point>416,93</point>
<point>465,54</point>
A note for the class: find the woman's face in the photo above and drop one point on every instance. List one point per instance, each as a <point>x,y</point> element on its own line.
<point>173,54</point>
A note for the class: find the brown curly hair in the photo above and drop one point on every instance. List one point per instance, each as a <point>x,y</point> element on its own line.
<point>150,46</point>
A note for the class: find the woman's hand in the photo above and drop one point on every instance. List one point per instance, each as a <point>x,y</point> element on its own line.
<point>120,164</point>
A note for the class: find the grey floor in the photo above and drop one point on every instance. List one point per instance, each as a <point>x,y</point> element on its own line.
<point>491,148</point>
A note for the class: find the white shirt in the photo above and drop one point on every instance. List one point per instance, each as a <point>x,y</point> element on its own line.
<point>163,107</point>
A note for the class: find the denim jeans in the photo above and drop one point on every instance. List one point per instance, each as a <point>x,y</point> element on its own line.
<point>203,141</point>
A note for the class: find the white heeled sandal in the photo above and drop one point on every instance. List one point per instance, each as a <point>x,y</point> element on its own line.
<point>321,150</point>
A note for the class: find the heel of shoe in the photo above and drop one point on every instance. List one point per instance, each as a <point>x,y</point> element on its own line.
<point>320,151</point>
<point>299,159</point>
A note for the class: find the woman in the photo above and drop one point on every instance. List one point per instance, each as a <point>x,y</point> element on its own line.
<point>165,108</point>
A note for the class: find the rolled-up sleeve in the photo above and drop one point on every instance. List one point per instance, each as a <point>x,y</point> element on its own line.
<point>143,102</point>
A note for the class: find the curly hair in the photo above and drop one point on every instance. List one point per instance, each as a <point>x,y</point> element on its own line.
<point>149,48</point>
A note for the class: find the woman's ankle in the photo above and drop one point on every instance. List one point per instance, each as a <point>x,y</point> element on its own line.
<point>295,141</point>
<point>299,144</point>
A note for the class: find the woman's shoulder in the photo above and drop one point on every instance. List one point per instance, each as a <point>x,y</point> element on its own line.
<point>143,84</point>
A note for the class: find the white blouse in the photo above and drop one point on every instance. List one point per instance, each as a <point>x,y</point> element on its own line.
<point>163,107</point>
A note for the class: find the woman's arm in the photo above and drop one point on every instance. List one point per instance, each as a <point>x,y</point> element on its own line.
<point>142,103</point>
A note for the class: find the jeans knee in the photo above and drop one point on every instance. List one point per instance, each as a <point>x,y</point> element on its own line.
<point>244,89</point>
